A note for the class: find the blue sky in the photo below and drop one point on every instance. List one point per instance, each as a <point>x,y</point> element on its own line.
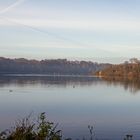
<point>100,30</point>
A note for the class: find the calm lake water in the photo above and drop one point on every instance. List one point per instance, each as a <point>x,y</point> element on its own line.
<point>112,107</point>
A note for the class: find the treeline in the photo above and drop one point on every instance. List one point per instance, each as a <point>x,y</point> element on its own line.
<point>53,66</point>
<point>129,69</point>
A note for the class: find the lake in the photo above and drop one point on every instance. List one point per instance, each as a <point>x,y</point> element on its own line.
<point>112,107</point>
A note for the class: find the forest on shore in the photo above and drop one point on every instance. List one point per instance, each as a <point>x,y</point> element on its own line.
<point>49,66</point>
<point>128,69</point>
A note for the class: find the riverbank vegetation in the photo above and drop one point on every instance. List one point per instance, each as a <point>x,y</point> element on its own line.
<point>128,69</point>
<point>27,129</point>
<point>41,129</point>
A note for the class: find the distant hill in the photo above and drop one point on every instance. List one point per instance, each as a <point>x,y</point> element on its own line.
<point>53,66</point>
<point>127,69</point>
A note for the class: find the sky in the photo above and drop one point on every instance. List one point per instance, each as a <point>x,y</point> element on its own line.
<point>96,30</point>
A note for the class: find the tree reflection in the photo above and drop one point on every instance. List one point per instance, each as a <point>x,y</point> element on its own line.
<point>49,80</point>
<point>130,83</point>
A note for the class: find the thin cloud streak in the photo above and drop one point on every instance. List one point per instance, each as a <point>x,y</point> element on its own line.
<point>14,5</point>
<point>55,29</point>
<point>102,25</point>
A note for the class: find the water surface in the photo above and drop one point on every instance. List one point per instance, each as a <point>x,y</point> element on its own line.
<point>112,107</point>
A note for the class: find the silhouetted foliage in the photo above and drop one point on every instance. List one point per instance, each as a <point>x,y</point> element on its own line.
<point>25,129</point>
<point>128,137</point>
<point>42,129</point>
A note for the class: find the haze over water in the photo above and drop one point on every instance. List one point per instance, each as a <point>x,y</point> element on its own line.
<point>74,103</point>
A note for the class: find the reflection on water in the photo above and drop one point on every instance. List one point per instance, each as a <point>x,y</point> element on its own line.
<point>74,102</point>
<point>131,84</point>
<point>21,80</point>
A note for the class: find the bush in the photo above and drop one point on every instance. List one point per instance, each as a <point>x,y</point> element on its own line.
<point>26,129</point>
